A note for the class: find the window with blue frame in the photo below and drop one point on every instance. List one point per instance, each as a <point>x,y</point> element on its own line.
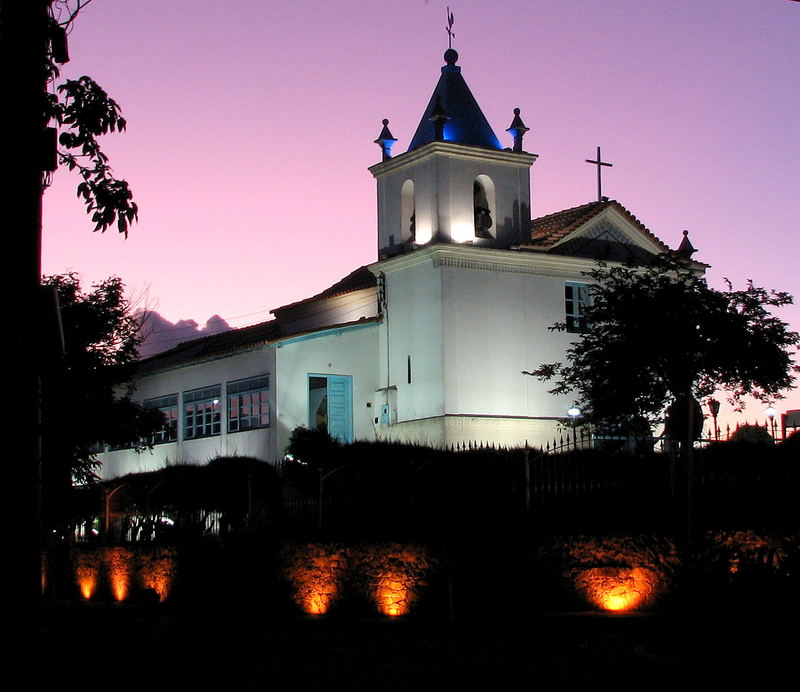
<point>248,403</point>
<point>201,412</point>
<point>576,298</point>
<point>168,405</point>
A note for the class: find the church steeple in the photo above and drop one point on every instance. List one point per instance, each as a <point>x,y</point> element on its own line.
<point>465,123</point>
<point>456,183</point>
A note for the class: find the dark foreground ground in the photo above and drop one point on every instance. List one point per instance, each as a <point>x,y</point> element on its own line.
<point>116,648</point>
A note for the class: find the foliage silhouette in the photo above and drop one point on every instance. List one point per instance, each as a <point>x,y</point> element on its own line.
<point>84,112</point>
<point>86,402</point>
<point>751,433</point>
<point>659,334</point>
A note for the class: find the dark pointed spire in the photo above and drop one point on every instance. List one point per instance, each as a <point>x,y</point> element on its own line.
<point>385,141</point>
<point>685,249</point>
<point>465,124</point>
<point>517,130</point>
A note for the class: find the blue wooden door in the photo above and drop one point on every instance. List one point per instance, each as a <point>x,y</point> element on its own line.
<point>340,407</point>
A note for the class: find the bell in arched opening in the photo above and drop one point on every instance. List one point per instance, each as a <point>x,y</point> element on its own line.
<point>483,214</point>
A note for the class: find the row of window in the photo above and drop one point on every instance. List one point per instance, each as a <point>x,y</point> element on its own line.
<point>247,409</point>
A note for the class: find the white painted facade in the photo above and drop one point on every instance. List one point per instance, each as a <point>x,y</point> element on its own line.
<point>429,343</point>
<point>259,443</point>
<point>435,183</point>
<point>460,326</point>
<point>349,351</point>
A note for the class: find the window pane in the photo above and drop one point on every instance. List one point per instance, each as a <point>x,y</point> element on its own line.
<point>248,402</point>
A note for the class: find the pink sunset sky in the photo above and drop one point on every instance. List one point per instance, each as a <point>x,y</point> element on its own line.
<point>251,127</point>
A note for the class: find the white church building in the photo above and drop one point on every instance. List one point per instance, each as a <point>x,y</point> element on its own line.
<point>428,343</point>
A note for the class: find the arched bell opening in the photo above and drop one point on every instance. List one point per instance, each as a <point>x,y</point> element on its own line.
<point>408,216</point>
<point>483,198</point>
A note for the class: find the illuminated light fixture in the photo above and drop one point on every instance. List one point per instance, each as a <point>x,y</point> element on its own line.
<point>462,232</point>
<point>317,604</point>
<point>315,577</point>
<point>573,412</point>
<point>771,412</point>
<point>158,573</point>
<point>87,581</point>
<point>118,563</point>
<point>423,234</point>
<point>619,589</point>
<point>393,595</point>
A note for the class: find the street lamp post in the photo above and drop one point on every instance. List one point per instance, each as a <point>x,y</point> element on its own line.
<point>574,413</point>
<point>713,406</point>
<point>771,413</point>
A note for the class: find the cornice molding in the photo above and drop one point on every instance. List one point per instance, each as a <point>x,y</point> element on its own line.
<point>486,259</point>
<point>454,151</point>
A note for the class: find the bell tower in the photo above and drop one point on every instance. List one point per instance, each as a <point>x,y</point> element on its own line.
<point>455,183</point>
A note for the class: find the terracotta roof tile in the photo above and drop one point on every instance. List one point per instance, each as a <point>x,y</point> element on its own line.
<point>547,231</point>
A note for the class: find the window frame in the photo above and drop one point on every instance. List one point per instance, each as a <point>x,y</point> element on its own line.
<point>205,403</point>
<point>248,387</point>
<point>167,405</point>
<point>575,304</point>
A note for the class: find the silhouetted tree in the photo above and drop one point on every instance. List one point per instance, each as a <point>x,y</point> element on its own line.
<point>83,111</point>
<point>752,433</point>
<point>86,402</point>
<point>32,44</point>
<point>658,335</point>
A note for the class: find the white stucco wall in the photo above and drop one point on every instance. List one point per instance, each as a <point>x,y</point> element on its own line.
<point>496,324</point>
<point>443,174</point>
<point>473,320</point>
<point>414,328</point>
<point>346,351</point>
<point>259,443</point>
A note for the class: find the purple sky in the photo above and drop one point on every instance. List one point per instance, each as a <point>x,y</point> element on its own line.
<point>251,126</point>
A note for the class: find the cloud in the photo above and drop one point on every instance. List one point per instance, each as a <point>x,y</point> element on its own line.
<point>161,335</point>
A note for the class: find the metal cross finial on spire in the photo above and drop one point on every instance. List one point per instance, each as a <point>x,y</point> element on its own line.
<point>599,163</point>
<point>450,21</point>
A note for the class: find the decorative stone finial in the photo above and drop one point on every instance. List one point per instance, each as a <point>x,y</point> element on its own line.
<point>438,117</point>
<point>518,130</point>
<point>385,141</point>
<point>451,56</point>
<point>685,249</point>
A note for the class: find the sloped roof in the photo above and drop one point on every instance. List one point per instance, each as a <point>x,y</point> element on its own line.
<point>547,231</point>
<point>213,345</point>
<point>246,337</point>
<point>466,123</point>
<point>354,281</point>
